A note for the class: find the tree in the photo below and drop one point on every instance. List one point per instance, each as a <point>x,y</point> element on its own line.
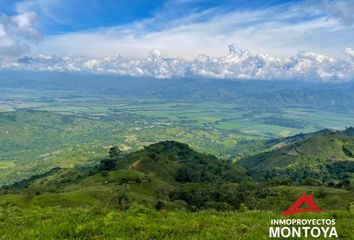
<point>107,165</point>
<point>115,152</point>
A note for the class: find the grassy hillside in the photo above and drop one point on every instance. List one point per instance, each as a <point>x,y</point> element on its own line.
<point>149,175</point>
<point>165,191</point>
<point>141,222</point>
<point>326,157</point>
<point>165,175</point>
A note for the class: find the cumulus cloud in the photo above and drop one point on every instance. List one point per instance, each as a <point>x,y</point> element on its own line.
<point>239,64</point>
<point>17,33</point>
<point>280,30</point>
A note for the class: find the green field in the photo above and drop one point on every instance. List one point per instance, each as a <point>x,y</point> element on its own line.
<point>40,130</point>
<point>169,190</point>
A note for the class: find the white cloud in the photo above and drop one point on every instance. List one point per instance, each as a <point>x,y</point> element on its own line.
<point>285,38</point>
<point>17,34</point>
<point>281,30</point>
<point>49,10</point>
<point>238,64</point>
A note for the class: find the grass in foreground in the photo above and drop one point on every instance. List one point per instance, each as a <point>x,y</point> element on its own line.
<point>146,223</point>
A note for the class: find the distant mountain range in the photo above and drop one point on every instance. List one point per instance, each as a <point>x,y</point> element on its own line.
<point>329,96</point>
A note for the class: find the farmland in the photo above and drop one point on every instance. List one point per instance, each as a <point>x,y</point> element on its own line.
<point>40,130</point>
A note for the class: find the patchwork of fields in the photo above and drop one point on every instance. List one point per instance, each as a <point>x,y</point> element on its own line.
<point>43,129</point>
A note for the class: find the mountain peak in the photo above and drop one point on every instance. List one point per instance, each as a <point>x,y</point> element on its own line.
<point>155,53</point>
<point>234,50</point>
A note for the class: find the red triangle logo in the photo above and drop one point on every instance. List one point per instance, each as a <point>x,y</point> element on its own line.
<point>295,208</point>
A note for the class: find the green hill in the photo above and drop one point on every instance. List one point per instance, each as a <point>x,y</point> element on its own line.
<point>171,175</point>
<point>196,195</point>
<point>161,171</point>
<point>323,158</point>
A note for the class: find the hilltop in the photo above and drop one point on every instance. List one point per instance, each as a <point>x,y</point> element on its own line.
<point>325,157</point>
<point>170,174</point>
<point>165,171</point>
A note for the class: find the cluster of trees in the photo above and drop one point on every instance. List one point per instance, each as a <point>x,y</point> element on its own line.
<point>197,167</point>
<point>209,171</point>
<point>231,196</point>
<point>338,174</point>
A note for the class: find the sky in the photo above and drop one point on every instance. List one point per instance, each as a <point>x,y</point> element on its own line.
<point>191,37</point>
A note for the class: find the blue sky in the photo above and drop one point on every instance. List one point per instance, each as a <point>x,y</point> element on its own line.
<point>182,28</point>
<point>272,39</point>
<point>55,17</point>
<point>179,28</point>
